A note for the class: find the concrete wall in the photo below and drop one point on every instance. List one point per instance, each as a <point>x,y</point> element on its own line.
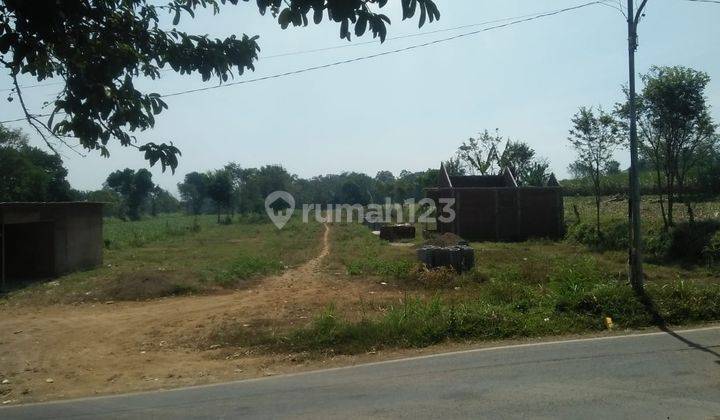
<point>79,240</point>
<point>75,233</point>
<point>504,214</point>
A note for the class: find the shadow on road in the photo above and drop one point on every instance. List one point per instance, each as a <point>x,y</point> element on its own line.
<point>659,321</point>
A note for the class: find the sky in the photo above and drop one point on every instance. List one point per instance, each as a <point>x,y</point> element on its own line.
<point>409,110</point>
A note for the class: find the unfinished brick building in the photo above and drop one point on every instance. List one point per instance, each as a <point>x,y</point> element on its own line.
<point>40,240</point>
<point>494,208</point>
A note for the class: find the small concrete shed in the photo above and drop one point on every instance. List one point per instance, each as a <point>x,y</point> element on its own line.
<point>40,240</point>
<point>494,208</point>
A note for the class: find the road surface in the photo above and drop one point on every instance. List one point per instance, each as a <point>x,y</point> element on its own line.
<point>655,375</point>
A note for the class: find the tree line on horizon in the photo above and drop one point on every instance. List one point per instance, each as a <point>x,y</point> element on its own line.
<point>680,158</point>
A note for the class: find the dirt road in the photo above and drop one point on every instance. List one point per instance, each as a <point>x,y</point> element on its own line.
<point>66,351</point>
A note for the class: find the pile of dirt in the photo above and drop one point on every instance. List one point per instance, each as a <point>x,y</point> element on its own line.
<point>446,239</point>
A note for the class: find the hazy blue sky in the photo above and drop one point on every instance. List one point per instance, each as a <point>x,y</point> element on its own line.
<point>408,110</point>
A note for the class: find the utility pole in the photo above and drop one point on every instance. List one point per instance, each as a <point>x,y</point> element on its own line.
<point>635,269</point>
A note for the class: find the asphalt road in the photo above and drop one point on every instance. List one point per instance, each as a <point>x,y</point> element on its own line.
<point>655,375</point>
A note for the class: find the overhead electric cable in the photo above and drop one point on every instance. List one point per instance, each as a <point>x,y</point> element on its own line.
<point>517,21</point>
<point>384,53</point>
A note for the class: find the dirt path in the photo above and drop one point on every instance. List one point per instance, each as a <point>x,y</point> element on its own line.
<point>67,351</point>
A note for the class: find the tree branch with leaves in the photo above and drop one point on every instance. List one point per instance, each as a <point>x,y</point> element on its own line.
<point>99,48</point>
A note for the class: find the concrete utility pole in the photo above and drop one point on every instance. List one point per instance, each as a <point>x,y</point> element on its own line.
<point>635,251</point>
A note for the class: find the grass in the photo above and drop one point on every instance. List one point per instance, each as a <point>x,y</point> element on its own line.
<point>613,209</point>
<point>359,253</point>
<point>534,288</point>
<point>527,289</point>
<point>148,260</point>
<point>687,242</point>
<point>577,297</point>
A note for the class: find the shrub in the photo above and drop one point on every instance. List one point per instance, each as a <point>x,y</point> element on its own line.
<point>613,234</point>
<point>689,240</point>
<point>711,252</point>
<point>657,243</point>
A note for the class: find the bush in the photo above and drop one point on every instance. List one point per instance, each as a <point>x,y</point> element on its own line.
<point>689,240</point>
<point>613,234</point>
<point>711,252</point>
<point>658,243</point>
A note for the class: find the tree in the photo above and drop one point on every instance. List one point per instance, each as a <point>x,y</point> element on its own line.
<point>578,170</point>
<point>220,190</point>
<point>535,174</point>
<point>520,158</point>
<point>612,167</point>
<point>112,200</point>
<point>28,173</point>
<point>161,201</point>
<point>709,168</point>
<point>483,155</point>
<point>236,174</point>
<point>594,138</point>
<point>676,129</point>
<point>193,190</point>
<point>259,183</point>
<point>384,185</point>
<point>454,167</point>
<point>133,186</point>
<point>480,155</point>
<point>99,101</point>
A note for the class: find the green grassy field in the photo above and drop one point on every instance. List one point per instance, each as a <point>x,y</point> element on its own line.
<point>537,287</point>
<point>534,288</point>
<point>175,254</point>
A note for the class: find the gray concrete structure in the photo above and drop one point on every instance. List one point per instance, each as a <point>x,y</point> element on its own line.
<point>495,208</point>
<point>40,240</point>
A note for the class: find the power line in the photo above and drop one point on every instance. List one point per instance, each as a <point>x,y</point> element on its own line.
<point>347,45</point>
<point>395,38</point>
<point>368,57</point>
<point>33,86</point>
<point>399,50</point>
<point>705,1</point>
